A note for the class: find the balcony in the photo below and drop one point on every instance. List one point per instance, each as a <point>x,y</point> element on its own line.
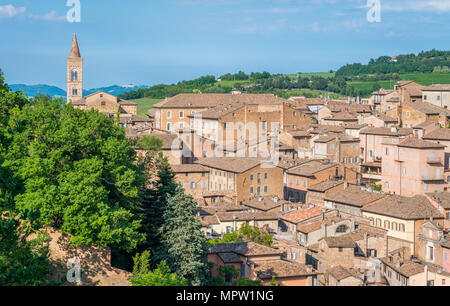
<point>433,178</point>
<point>434,161</point>
<point>371,176</point>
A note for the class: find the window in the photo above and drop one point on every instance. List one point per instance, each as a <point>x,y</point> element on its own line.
<point>169,115</point>
<point>431,253</point>
<point>293,256</point>
<point>266,176</point>
<point>181,115</point>
<point>74,75</point>
<point>252,190</point>
<point>169,126</point>
<point>342,229</point>
<point>252,177</point>
<point>266,189</point>
<point>193,186</point>
<point>74,92</point>
<point>203,185</point>
<point>401,228</point>
<point>387,224</point>
<point>297,181</point>
<point>387,151</point>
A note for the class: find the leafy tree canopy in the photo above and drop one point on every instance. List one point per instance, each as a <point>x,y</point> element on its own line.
<point>77,169</point>
<point>161,276</point>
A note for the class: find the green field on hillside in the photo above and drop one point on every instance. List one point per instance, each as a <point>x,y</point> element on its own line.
<point>232,83</point>
<point>425,79</point>
<point>145,104</point>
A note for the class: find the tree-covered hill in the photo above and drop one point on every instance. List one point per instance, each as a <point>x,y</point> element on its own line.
<point>424,62</point>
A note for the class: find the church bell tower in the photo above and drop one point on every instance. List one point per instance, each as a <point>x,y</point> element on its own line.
<point>74,73</point>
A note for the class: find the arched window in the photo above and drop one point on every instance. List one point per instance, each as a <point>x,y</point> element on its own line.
<point>387,224</point>
<point>402,228</point>
<point>74,92</point>
<point>74,75</point>
<point>342,229</point>
<point>378,222</point>
<point>394,226</point>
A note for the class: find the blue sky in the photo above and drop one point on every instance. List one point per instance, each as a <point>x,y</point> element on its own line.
<point>162,41</point>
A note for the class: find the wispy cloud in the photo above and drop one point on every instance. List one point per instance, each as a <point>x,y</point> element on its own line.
<point>51,16</point>
<point>9,10</point>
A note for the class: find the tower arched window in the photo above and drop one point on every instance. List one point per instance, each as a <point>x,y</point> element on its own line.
<point>74,75</point>
<point>74,92</point>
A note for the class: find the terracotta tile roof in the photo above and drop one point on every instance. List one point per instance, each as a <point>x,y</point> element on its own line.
<point>189,168</point>
<point>244,249</point>
<point>437,87</point>
<point>230,164</point>
<point>342,116</point>
<point>438,134</point>
<point>442,198</point>
<point>425,124</point>
<point>264,203</point>
<point>340,242</point>
<point>310,168</point>
<point>387,131</point>
<point>326,185</point>
<point>415,208</point>
<point>230,258</point>
<point>209,220</point>
<point>281,268</point>
<point>386,118</point>
<point>287,163</point>
<point>337,107</point>
<point>355,126</point>
<point>222,207</point>
<point>427,108</point>
<point>411,267</point>
<point>299,133</point>
<point>301,215</point>
<point>339,273</point>
<point>354,196</point>
<point>322,129</point>
<point>414,91</point>
<point>246,216</point>
<point>412,142</point>
<point>213,100</point>
<point>315,225</point>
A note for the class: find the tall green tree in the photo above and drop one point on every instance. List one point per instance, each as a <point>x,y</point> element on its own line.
<point>77,169</point>
<point>161,276</point>
<point>181,233</point>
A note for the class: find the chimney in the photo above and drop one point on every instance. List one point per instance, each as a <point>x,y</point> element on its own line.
<point>324,230</point>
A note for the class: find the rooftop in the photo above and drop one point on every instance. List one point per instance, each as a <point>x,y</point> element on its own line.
<point>281,268</point>
<point>438,134</point>
<point>230,164</point>
<point>340,242</point>
<point>326,185</point>
<point>406,208</point>
<point>310,168</point>
<point>244,249</point>
<point>412,142</point>
<point>354,196</point>
<point>213,100</point>
<point>303,214</point>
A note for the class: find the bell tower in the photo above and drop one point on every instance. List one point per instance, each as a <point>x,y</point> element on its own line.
<point>74,73</point>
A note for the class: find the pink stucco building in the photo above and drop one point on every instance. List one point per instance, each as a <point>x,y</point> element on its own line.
<point>413,166</point>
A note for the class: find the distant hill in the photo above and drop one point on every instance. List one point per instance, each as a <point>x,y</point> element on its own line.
<point>33,90</point>
<point>53,91</point>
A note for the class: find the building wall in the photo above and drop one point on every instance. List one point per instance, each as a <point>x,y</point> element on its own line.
<point>438,98</point>
<point>409,226</point>
<point>446,259</point>
<point>193,183</point>
<point>297,186</point>
<point>404,170</point>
